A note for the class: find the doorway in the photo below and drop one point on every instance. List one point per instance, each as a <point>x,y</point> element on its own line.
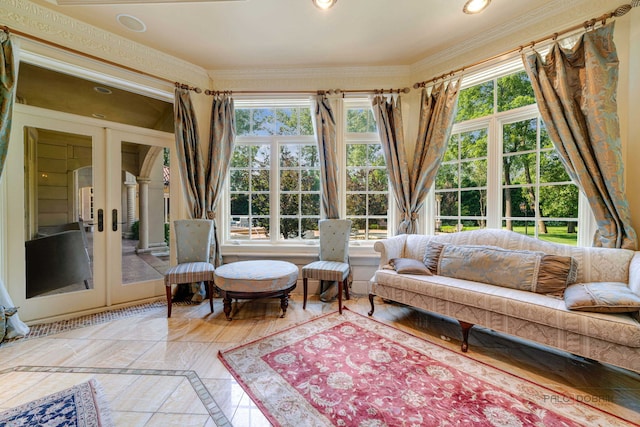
<point>89,226</point>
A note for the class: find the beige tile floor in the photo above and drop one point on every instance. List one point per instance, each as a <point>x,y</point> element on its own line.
<point>165,372</point>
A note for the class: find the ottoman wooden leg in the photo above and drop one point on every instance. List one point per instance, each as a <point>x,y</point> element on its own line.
<point>227,305</point>
<point>284,303</point>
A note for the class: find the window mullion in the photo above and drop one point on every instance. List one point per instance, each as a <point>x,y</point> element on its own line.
<point>274,190</point>
<point>494,174</point>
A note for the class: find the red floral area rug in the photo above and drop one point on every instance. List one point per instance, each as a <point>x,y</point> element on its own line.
<point>351,370</point>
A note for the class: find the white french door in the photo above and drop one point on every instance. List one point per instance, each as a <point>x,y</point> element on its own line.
<point>88,203</point>
<point>139,195</point>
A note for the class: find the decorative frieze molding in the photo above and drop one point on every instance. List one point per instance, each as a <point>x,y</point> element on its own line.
<point>38,21</point>
<point>311,78</point>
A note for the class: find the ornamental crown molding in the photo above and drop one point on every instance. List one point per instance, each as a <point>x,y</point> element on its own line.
<point>33,19</point>
<point>540,22</point>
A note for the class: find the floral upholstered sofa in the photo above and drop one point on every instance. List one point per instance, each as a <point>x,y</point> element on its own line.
<point>581,300</point>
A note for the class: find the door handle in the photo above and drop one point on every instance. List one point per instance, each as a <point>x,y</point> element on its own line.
<point>100,220</point>
<point>114,220</point>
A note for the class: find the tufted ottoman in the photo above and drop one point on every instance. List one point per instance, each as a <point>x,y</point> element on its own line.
<point>256,279</point>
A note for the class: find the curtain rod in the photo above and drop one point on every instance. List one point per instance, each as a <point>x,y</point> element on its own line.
<point>299,92</point>
<point>77,52</point>
<point>618,12</point>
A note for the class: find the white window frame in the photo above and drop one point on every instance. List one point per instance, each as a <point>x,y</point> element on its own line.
<point>345,138</point>
<point>339,106</point>
<point>494,123</point>
<point>521,114</point>
<point>470,126</point>
<point>274,142</point>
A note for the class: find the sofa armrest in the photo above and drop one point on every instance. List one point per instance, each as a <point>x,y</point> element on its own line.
<point>634,273</point>
<point>390,248</point>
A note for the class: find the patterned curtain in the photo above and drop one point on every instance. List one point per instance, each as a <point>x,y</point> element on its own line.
<point>325,128</point>
<point>189,156</point>
<point>223,133</point>
<point>387,111</point>
<point>436,119</point>
<point>8,76</point>
<point>576,93</point>
<point>192,172</point>
<point>8,79</point>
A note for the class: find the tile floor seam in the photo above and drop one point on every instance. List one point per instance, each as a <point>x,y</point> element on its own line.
<point>130,364</point>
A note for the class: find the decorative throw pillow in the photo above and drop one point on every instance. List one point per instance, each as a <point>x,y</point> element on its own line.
<point>556,272</point>
<point>602,297</point>
<point>409,266</point>
<point>517,269</point>
<point>432,256</point>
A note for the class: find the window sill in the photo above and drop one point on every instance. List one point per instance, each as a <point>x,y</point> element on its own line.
<point>246,249</point>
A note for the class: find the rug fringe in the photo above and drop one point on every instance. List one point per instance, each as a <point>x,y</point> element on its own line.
<point>100,399</point>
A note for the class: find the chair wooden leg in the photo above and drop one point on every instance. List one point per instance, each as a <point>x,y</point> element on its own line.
<point>168,288</point>
<point>340,286</point>
<point>210,294</point>
<point>304,293</point>
<point>346,287</point>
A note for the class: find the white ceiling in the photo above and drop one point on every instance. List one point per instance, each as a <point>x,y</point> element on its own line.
<point>219,35</point>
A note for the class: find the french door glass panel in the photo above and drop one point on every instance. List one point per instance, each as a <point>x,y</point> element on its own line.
<point>59,212</point>
<point>140,188</point>
<point>54,186</point>
<point>77,192</point>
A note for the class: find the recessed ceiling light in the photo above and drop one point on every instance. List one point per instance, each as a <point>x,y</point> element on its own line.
<point>324,4</point>
<point>475,6</point>
<point>132,23</point>
<point>102,90</point>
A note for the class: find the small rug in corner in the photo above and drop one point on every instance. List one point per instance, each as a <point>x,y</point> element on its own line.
<point>351,370</point>
<point>82,405</point>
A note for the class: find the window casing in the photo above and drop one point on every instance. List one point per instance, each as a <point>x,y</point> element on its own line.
<point>501,170</point>
<point>274,176</point>
<point>274,189</point>
<point>366,189</point>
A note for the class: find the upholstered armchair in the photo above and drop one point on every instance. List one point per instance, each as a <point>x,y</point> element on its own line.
<point>193,238</point>
<point>334,258</point>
